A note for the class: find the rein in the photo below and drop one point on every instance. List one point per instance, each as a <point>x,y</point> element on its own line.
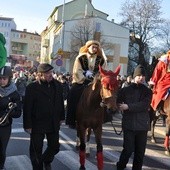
<point>117,133</point>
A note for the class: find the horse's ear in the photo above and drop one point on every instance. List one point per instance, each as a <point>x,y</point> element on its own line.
<point>117,71</point>
<point>102,71</point>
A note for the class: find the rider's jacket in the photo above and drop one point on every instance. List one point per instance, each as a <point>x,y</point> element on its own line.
<point>84,62</point>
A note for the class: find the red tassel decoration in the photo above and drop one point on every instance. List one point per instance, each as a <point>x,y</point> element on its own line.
<point>166,142</point>
<point>100,160</point>
<point>82,155</point>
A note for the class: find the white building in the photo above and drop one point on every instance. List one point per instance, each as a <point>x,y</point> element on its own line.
<point>57,38</point>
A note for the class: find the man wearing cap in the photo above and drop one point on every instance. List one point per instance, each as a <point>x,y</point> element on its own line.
<point>85,67</point>
<point>134,102</point>
<point>43,112</point>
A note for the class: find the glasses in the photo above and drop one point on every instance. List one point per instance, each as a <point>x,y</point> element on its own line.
<point>3,78</point>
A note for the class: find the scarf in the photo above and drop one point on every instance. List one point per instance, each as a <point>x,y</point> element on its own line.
<point>5,91</point>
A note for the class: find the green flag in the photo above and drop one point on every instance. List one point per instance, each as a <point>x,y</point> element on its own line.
<point>3,52</point>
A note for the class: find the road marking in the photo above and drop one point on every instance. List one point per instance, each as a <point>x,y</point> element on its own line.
<point>20,162</point>
<point>71,160</point>
<point>17,130</point>
<point>108,153</point>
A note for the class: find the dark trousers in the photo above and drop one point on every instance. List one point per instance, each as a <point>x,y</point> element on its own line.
<point>5,133</point>
<point>134,141</point>
<point>36,149</point>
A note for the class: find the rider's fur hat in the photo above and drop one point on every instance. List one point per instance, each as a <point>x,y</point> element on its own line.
<point>90,42</point>
<point>44,67</point>
<point>139,71</point>
<point>84,48</point>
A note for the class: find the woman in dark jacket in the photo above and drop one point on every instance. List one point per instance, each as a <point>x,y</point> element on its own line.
<point>8,97</point>
<point>134,102</point>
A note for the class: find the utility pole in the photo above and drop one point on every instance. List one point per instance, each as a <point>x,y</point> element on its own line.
<point>62,28</point>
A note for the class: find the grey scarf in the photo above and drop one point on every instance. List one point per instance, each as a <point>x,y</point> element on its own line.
<point>5,91</point>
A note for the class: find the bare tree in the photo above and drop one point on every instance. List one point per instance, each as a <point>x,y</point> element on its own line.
<point>164,39</point>
<point>83,31</point>
<point>142,17</point>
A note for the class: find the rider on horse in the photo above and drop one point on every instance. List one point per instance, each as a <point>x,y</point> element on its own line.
<point>86,66</point>
<point>161,83</point>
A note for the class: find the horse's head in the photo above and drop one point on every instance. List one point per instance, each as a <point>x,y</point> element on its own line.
<point>109,87</point>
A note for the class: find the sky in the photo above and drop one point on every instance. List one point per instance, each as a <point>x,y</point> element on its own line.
<point>33,14</point>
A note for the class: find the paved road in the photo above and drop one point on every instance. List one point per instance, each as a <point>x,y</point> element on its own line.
<point>68,159</point>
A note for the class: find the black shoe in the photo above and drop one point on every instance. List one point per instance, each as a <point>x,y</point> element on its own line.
<point>47,166</point>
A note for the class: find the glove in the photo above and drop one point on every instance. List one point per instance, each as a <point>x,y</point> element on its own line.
<point>89,74</point>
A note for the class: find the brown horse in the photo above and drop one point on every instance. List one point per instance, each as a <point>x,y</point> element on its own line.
<point>90,111</point>
<point>155,117</point>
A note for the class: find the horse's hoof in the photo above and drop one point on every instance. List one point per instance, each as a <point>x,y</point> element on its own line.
<point>77,148</point>
<point>167,153</point>
<point>153,140</point>
<point>82,167</point>
<point>87,154</point>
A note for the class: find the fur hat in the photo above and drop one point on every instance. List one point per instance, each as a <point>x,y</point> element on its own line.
<point>90,42</point>
<point>84,48</point>
<point>139,70</point>
<point>44,67</point>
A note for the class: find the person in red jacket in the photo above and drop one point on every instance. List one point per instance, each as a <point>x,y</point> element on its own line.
<point>161,82</point>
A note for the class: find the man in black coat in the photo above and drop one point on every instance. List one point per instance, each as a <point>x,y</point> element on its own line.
<point>134,102</point>
<point>43,112</point>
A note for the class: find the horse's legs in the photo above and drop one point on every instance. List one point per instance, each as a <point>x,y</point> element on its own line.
<point>88,133</point>
<point>98,135</point>
<point>82,148</point>
<point>153,123</point>
<point>166,142</point>
<point>77,140</point>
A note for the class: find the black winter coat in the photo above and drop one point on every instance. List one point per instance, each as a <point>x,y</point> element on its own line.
<point>138,99</point>
<point>43,107</point>
<point>4,108</point>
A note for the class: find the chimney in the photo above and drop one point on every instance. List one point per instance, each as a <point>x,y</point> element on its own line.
<point>90,1</point>
<point>25,30</point>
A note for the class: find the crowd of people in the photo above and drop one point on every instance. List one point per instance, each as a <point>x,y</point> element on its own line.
<point>40,97</point>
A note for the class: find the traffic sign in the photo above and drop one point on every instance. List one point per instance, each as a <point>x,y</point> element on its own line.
<point>60,51</point>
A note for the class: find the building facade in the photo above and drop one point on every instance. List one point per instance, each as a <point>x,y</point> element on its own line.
<point>23,48</point>
<point>57,38</point>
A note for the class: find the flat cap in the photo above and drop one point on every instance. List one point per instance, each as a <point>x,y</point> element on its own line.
<point>44,67</point>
